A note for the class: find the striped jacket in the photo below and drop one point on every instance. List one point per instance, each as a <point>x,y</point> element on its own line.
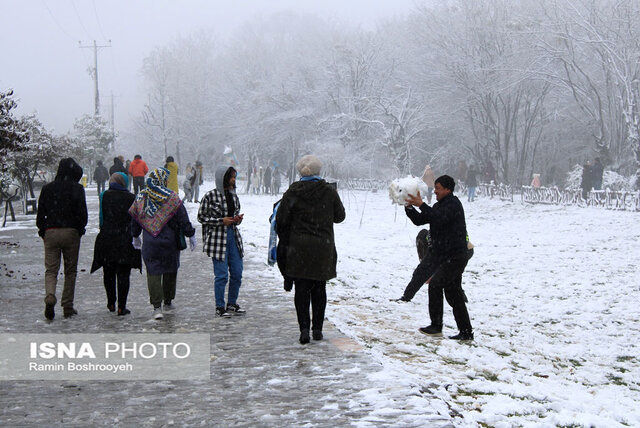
<point>213,207</point>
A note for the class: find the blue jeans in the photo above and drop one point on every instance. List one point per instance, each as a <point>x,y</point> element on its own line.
<point>472,194</point>
<point>228,269</point>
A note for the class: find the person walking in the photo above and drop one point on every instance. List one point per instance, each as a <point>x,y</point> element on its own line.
<point>100,175</point>
<point>304,224</point>
<point>472,183</point>
<point>197,181</point>
<point>449,240</point>
<point>267,180</point>
<point>113,250</point>
<point>429,179</point>
<point>587,179</point>
<point>117,167</point>
<point>597,172</point>
<point>159,215</point>
<point>138,169</point>
<point>172,182</point>
<point>61,222</point>
<point>277,180</point>
<point>187,184</point>
<point>220,216</point>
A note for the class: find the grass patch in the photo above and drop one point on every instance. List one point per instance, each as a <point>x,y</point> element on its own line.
<point>502,353</point>
<point>625,358</point>
<point>448,360</point>
<point>575,363</point>
<point>489,375</point>
<point>473,392</point>
<point>616,380</point>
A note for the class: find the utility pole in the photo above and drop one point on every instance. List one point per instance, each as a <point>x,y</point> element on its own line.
<point>94,72</point>
<point>113,127</point>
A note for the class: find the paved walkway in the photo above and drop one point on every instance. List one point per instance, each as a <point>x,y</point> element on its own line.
<point>260,374</point>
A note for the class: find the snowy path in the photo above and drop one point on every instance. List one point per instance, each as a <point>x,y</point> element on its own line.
<point>260,374</point>
<point>553,293</point>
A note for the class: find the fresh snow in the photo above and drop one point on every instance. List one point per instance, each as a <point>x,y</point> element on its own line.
<point>553,297</point>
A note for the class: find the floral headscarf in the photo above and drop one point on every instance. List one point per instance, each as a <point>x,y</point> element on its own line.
<point>156,193</point>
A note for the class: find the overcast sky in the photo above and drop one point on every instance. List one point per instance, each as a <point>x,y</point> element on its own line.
<point>42,61</point>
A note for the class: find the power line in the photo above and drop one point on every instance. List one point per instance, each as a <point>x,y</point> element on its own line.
<point>60,27</point>
<point>79,19</point>
<point>95,11</point>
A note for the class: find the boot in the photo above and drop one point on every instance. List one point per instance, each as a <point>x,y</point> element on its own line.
<point>463,335</point>
<point>304,337</point>
<point>431,330</point>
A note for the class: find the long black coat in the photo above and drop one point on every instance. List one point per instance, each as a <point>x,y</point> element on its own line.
<point>448,226</point>
<point>304,222</point>
<point>113,243</point>
<point>117,167</point>
<point>62,202</point>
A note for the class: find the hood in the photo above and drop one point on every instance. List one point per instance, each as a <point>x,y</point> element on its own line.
<point>117,161</point>
<point>68,169</point>
<point>309,190</point>
<point>221,171</point>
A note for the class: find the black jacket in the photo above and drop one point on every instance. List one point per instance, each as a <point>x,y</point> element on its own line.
<point>62,202</point>
<point>448,228</point>
<point>101,174</point>
<point>113,243</point>
<point>304,224</point>
<point>117,167</point>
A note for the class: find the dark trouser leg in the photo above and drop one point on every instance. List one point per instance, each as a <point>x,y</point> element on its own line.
<point>123,274</point>
<point>435,304</point>
<point>169,286</point>
<point>449,278</point>
<point>318,304</point>
<point>110,283</point>
<point>421,274</point>
<point>154,284</point>
<point>455,298</point>
<point>302,300</point>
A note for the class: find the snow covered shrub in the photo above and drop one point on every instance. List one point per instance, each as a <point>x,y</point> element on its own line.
<point>401,188</point>
<point>574,177</point>
<point>613,181</point>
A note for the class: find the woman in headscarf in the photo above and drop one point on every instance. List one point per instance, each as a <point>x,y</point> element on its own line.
<point>113,251</point>
<point>158,213</point>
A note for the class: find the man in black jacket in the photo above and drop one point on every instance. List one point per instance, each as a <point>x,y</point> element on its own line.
<point>100,175</point>
<point>449,237</point>
<point>61,221</point>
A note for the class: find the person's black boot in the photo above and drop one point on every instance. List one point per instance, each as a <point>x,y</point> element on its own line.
<point>304,337</point>
<point>69,312</point>
<point>463,335</point>
<point>431,330</point>
<point>49,304</point>
<point>317,334</point>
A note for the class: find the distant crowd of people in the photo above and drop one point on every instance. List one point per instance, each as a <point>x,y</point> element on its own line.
<point>265,180</point>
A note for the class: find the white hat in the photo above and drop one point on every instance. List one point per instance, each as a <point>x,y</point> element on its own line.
<point>309,165</point>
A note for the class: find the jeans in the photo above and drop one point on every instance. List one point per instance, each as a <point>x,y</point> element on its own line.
<point>100,187</point>
<point>472,194</point>
<point>138,184</point>
<point>229,269</point>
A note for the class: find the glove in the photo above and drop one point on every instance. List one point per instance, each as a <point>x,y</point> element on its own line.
<point>192,242</point>
<point>137,243</point>
<point>288,284</point>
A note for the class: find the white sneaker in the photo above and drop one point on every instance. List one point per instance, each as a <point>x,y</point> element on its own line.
<point>157,314</point>
<point>168,309</point>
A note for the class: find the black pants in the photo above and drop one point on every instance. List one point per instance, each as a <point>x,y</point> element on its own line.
<point>448,277</point>
<point>421,274</point>
<point>100,187</point>
<point>138,184</point>
<point>310,292</point>
<point>119,274</point>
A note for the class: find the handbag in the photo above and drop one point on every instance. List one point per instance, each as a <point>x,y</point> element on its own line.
<point>181,241</point>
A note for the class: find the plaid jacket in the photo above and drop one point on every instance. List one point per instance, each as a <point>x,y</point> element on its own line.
<point>213,207</point>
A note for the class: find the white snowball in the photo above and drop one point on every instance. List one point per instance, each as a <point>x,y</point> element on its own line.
<point>400,188</point>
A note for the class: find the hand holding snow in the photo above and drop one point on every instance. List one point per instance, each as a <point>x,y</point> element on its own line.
<point>401,188</point>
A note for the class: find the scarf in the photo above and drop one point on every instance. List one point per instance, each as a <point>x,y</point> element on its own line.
<point>156,192</point>
<point>310,178</point>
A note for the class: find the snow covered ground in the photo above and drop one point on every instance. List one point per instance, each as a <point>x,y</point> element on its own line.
<point>553,298</point>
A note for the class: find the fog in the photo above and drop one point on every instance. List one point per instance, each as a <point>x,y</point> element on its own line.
<point>43,63</point>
